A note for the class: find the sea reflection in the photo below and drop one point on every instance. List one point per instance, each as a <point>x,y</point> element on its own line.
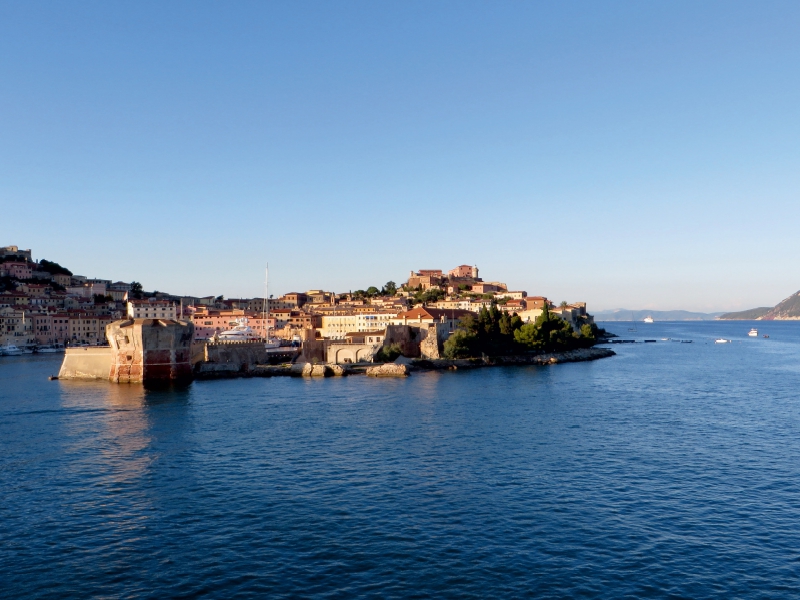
<point>111,426</point>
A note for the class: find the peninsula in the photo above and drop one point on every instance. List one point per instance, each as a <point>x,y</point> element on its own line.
<point>135,335</point>
<point>786,310</point>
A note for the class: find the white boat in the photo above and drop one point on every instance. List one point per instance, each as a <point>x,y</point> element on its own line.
<point>48,350</point>
<point>10,350</point>
<point>648,319</point>
<point>240,332</point>
<point>753,332</point>
<point>721,341</point>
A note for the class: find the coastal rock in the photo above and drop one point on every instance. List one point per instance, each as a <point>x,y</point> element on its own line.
<point>301,369</point>
<point>320,371</point>
<point>338,370</point>
<point>388,370</point>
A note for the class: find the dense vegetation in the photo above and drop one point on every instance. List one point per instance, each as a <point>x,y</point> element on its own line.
<point>432,295</point>
<point>53,268</point>
<point>496,333</point>
<point>390,289</point>
<point>387,353</point>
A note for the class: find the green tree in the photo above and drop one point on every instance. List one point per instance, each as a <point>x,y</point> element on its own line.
<point>461,344</point>
<point>390,289</point>
<point>429,296</point>
<point>136,289</point>
<point>388,353</point>
<point>551,333</point>
<point>372,291</point>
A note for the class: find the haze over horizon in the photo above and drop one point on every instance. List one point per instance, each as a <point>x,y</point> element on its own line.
<point>628,155</point>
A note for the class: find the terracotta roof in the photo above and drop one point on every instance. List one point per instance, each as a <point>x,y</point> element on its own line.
<point>434,313</point>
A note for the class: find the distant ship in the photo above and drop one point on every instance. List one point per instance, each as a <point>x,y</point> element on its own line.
<point>648,319</point>
<point>753,332</point>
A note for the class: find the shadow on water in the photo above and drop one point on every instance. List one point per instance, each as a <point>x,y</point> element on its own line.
<point>158,393</point>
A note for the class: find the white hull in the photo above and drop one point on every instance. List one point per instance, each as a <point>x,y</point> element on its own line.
<point>753,333</point>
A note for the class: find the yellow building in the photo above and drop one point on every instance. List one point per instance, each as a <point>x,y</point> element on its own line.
<point>336,327</point>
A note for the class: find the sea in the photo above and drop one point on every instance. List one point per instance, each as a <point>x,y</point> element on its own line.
<point>671,470</point>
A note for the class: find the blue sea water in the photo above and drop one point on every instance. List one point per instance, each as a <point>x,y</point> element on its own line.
<point>669,470</point>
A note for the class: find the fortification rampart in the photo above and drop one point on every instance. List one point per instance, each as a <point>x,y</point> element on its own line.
<point>86,363</point>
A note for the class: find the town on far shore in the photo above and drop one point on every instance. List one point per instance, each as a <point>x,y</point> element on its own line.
<point>45,305</point>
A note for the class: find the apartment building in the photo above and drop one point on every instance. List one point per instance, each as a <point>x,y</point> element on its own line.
<point>151,309</point>
<point>16,327</point>
<point>18,270</point>
<point>336,327</point>
<point>87,328</point>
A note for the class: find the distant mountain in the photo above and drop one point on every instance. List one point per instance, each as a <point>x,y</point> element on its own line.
<point>624,314</point>
<point>787,310</point>
<point>746,315</point>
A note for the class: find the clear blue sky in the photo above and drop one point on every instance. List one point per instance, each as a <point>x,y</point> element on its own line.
<point>636,154</point>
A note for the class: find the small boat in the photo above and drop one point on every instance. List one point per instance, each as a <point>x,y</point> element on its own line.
<point>648,319</point>
<point>686,341</point>
<point>271,343</point>
<point>47,350</point>
<point>27,350</point>
<point>765,335</point>
<point>10,350</point>
<point>722,341</point>
<point>753,332</point>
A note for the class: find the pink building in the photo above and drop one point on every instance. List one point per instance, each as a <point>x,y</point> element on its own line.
<point>19,270</point>
<point>50,328</point>
<point>464,271</point>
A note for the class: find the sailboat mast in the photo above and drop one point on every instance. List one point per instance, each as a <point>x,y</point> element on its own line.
<point>266,304</point>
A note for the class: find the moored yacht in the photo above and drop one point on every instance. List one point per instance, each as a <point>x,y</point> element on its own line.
<point>240,332</point>
<point>753,332</point>
<point>648,319</point>
<point>10,350</point>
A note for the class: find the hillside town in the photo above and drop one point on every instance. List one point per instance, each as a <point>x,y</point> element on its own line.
<point>43,305</point>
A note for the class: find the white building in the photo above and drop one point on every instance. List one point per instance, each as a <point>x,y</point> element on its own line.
<point>151,309</point>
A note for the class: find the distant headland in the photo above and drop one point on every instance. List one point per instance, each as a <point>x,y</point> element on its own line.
<point>786,310</point>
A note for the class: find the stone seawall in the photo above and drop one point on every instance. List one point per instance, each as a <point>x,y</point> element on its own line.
<point>86,363</point>
<point>402,369</point>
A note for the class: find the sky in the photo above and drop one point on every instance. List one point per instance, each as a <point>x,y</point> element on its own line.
<point>625,154</point>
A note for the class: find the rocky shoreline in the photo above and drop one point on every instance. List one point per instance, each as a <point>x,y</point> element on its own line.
<point>400,368</point>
